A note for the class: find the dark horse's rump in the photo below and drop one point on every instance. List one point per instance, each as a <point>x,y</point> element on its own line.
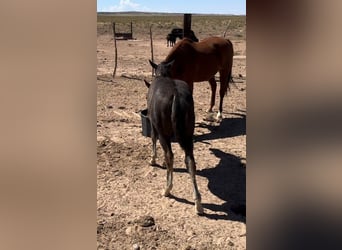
<point>171,111</point>
<point>200,61</point>
<point>170,106</point>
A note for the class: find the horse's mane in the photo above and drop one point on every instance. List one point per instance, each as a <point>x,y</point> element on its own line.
<point>181,48</point>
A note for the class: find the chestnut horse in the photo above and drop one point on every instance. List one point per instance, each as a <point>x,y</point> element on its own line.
<point>200,61</point>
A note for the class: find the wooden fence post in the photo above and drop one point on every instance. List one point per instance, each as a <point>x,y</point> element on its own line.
<point>152,59</point>
<point>131,30</point>
<point>224,35</point>
<point>186,25</point>
<point>116,52</point>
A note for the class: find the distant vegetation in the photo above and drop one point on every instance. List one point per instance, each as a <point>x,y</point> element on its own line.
<point>202,25</point>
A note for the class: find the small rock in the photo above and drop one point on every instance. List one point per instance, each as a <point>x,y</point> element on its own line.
<point>128,231</point>
<point>146,221</point>
<point>109,106</point>
<point>136,247</point>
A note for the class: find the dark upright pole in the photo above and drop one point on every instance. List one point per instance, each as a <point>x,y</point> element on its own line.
<point>116,52</point>
<point>186,25</point>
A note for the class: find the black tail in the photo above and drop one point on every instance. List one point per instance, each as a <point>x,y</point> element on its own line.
<point>183,121</point>
<point>230,80</point>
<point>230,76</point>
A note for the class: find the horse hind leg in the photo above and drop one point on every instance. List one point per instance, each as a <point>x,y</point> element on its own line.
<point>224,83</point>
<point>168,159</point>
<point>213,85</point>
<point>190,165</point>
<point>154,147</point>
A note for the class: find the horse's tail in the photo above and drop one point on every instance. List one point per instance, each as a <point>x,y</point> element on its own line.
<point>183,121</point>
<point>230,77</point>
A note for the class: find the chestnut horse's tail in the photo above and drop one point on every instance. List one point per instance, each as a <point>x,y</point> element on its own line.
<point>230,77</point>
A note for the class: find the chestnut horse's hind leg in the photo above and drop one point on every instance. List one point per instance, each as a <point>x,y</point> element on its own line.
<point>224,83</point>
<point>190,165</point>
<point>213,85</point>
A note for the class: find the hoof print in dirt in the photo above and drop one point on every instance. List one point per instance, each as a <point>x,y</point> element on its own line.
<point>189,248</point>
<point>100,228</point>
<point>145,221</point>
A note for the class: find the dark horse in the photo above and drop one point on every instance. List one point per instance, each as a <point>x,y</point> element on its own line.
<point>200,61</point>
<point>171,113</point>
<point>171,40</point>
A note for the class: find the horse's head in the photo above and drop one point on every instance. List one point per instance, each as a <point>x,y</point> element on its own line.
<point>163,69</point>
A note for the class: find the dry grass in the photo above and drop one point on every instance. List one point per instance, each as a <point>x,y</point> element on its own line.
<point>202,25</point>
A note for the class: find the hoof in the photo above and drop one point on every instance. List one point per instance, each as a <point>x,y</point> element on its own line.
<point>199,209</point>
<point>153,162</point>
<point>166,193</point>
<point>209,117</point>
<point>219,117</point>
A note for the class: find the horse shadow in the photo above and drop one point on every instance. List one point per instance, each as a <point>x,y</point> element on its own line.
<point>228,182</point>
<point>229,127</point>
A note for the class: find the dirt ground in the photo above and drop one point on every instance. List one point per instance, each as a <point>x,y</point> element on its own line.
<point>132,213</point>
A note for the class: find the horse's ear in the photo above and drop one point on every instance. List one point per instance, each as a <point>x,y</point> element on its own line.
<point>155,66</point>
<point>169,64</point>
<point>147,83</point>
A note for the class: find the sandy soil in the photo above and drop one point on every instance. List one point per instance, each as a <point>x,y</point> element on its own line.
<point>132,213</point>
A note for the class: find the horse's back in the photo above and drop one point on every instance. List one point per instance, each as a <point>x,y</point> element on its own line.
<point>185,96</point>
<point>183,115</point>
<point>159,103</point>
<point>220,46</point>
<point>183,89</point>
<point>171,106</point>
<point>199,61</point>
<point>163,90</point>
<point>161,87</point>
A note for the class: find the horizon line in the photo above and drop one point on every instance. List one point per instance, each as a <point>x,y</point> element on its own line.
<point>170,13</point>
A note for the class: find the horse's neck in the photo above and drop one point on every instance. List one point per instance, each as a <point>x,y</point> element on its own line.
<point>172,54</point>
<point>175,52</point>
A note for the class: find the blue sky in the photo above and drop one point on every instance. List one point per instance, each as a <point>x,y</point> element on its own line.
<point>237,7</point>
